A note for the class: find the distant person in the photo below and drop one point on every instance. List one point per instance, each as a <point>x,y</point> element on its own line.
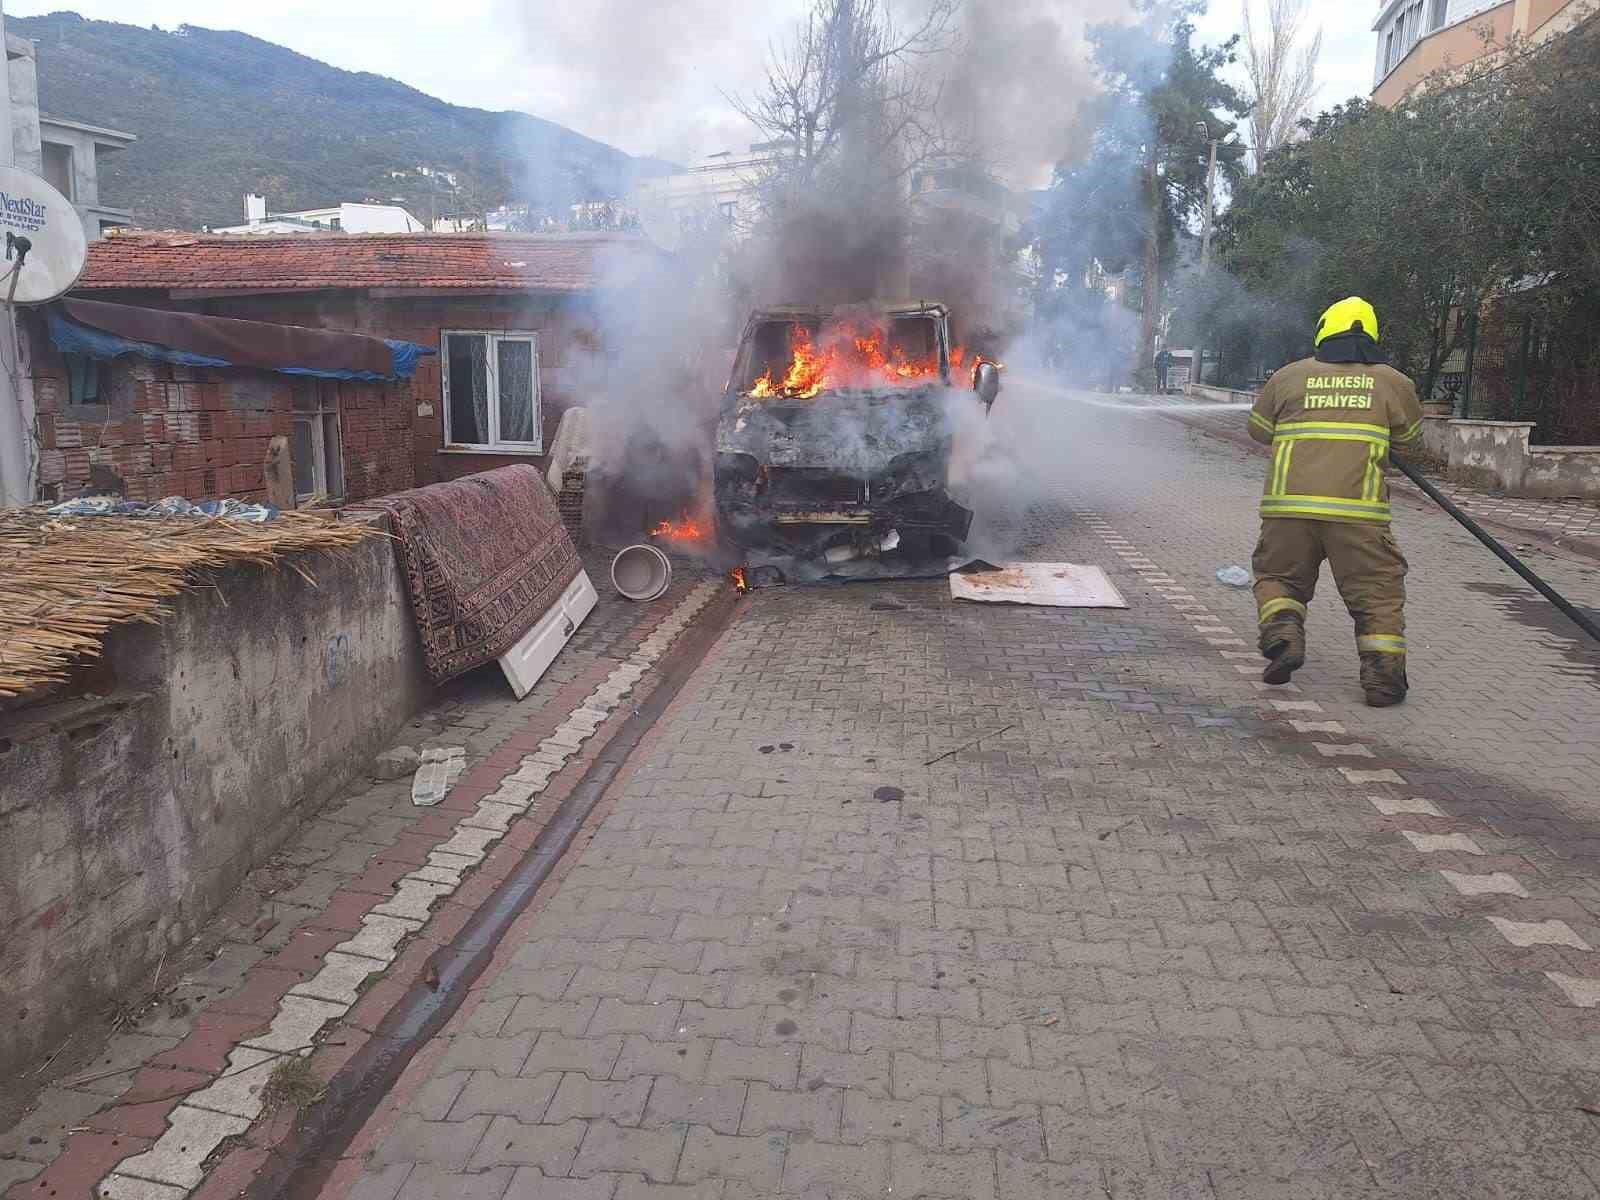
<point>1331,420</point>
<point>1163,365</point>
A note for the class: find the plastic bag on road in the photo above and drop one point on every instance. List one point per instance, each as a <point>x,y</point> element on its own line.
<point>1233,576</point>
<point>440,768</point>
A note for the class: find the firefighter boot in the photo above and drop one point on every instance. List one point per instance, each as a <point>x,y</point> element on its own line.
<point>1383,678</point>
<point>1283,640</point>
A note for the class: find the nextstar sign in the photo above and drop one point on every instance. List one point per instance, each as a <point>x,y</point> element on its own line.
<point>25,207</point>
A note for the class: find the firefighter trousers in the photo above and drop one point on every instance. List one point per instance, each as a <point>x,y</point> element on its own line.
<point>1367,566</point>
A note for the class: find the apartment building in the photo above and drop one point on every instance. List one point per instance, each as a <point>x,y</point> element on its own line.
<point>1419,37</point>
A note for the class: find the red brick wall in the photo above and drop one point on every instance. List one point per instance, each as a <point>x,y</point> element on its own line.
<point>201,432</point>
<point>568,346</point>
<point>566,340</point>
<point>375,427</point>
<point>566,332</point>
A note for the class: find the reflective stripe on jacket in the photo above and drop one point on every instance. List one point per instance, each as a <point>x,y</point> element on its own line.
<point>1330,426</point>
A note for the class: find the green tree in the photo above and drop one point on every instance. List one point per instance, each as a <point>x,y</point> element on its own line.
<point>1143,182</point>
<point>1476,198</point>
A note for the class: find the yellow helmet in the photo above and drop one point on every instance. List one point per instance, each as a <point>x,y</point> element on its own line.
<point>1349,314</point>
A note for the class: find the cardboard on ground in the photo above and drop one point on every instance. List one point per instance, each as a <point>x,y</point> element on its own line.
<point>1056,585</point>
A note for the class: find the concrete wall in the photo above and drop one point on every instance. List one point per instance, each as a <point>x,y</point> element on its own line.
<point>1496,454</point>
<point>85,191</point>
<point>126,821</point>
<point>1559,471</point>
<point>23,69</point>
<point>83,148</point>
<point>1489,454</point>
<point>1199,391</point>
<point>1436,437</point>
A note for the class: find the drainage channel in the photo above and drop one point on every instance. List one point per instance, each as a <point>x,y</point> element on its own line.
<point>300,1166</point>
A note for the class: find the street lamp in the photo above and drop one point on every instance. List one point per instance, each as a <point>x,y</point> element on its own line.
<point>1204,131</point>
<point>1211,191</point>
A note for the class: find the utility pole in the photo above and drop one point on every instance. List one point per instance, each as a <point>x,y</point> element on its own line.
<point>16,432</point>
<point>1146,350</point>
<point>1205,235</point>
<point>1211,195</point>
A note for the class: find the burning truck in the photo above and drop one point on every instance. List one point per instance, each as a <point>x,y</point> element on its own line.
<point>835,438</point>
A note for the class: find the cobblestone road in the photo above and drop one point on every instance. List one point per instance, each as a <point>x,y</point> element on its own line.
<point>914,899</point>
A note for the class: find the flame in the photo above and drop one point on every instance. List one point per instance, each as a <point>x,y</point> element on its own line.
<point>740,583</point>
<point>852,355</point>
<point>685,529</point>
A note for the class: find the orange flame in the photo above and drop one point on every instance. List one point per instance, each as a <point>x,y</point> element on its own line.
<point>685,529</point>
<point>740,583</point>
<point>854,355</point>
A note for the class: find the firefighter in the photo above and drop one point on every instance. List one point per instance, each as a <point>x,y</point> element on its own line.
<point>1331,421</point>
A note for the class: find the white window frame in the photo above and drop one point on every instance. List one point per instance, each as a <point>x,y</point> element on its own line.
<point>327,406</point>
<point>496,444</point>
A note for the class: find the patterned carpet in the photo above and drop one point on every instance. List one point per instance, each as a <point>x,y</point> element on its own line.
<point>484,556</point>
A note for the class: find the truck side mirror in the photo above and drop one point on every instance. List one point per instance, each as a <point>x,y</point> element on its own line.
<point>986,382</point>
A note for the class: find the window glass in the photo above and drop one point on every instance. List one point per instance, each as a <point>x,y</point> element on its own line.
<point>516,391</point>
<point>305,475</point>
<point>83,379</point>
<point>916,337</point>
<point>491,385</point>
<point>771,348</point>
<point>469,387</point>
<point>333,467</point>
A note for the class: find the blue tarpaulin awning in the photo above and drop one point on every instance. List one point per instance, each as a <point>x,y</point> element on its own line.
<point>100,330</point>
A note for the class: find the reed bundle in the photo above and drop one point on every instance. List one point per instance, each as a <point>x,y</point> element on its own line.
<point>64,581</point>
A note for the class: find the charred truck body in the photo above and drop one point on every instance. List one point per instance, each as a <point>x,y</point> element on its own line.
<point>836,432</point>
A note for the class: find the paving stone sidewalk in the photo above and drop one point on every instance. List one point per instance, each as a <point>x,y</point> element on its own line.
<point>114,1090</point>
<point>911,898</point>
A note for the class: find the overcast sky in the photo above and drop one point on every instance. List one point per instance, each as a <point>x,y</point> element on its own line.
<point>644,75</point>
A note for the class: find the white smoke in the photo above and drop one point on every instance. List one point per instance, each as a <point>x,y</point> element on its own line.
<point>1012,81</point>
<point>1018,79</point>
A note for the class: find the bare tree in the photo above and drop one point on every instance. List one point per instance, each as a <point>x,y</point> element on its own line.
<point>1282,75</point>
<point>848,83</point>
<point>851,106</point>
<point>856,108</point>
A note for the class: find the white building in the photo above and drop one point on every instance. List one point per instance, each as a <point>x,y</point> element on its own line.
<point>722,188</point>
<point>68,154</point>
<point>962,188</point>
<point>348,217</point>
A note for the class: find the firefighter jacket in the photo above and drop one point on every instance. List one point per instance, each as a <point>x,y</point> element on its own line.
<point>1330,426</point>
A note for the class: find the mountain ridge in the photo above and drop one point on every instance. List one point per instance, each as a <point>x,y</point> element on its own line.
<point>219,113</point>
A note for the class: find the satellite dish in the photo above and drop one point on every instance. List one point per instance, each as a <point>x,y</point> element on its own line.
<point>41,239</point>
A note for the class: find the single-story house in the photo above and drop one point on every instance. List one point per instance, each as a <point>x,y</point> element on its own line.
<point>509,319</point>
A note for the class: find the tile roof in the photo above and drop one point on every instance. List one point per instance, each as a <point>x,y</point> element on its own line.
<point>549,262</point>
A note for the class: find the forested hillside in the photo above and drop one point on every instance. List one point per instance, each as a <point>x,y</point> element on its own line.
<point>219,114</point>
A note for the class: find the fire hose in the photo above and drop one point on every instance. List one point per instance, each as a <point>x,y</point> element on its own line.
<point>1578,618</point>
